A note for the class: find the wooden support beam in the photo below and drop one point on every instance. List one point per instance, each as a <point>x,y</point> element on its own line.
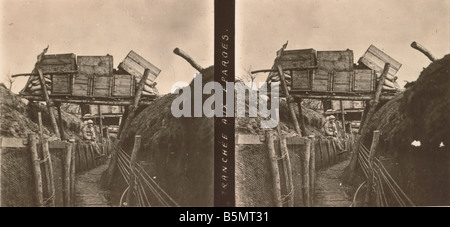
<point>49,104</point>
<point>306,174</point>
<point>343,117</point>
<point>48,166</point>
<point>37,175</point>
<point>276,182</point>
<point>45,73</point>
<point>72,174</point>
<point>101,123</point>
<point>287,164</point>
<point>300,115</point>
<point>312,170</point>
<point>60,120</point>
<point>132,182</point>
<point>289,101</point>
<point>287,69</point>
<point>90,100</point>
<point>67,174</point>
<point>373,148</point>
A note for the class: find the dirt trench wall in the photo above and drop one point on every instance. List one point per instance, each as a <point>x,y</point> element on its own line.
<point>254,178</point>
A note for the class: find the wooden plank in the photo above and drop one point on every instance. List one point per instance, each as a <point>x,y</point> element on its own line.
<point>342,81</point>
<point>49,104</point>
<point>321,79</point>
<point>375,59</point>
<point>67,168</point>
<point>276,182</point>
<point>335,60</point>
<point>81,85</point>
<point>57,144</point>
<point>295,140</point>
<point>325,154</point>
<point>144,65</point>
<point>58,63</point>
<point>123,85</point>
<point>72,174</point>
<point>61,84</point>
<point>101,86</point>
<point>242,139</point>
<point>95,65</point>
<point>364,80</point>
<point>306,155</point>
<point>48,166</point>
<point>7,142</point>
<point>301,80</point>
<point>312,169</point>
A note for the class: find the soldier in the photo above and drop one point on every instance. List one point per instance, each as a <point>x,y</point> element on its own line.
<point>331,131</point>
<point>89,135</point>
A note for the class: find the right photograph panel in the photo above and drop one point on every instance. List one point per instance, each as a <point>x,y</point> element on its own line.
<point>342,103</point>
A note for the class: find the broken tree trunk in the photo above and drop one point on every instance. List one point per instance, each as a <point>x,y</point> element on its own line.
<point>186,57</point>
<point>289,101</point>
<point>422,49</point>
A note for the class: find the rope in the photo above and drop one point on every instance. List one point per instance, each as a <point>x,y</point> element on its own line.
<point>123,194</point>
<point>356,193</point>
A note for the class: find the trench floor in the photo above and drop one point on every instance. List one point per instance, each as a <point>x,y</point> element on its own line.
<point>330,191</point>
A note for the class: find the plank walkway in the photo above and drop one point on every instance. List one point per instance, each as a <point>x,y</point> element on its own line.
<point>330,191</point>
<point>88,191</point>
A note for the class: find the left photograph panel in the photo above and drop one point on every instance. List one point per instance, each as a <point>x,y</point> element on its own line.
<point>98,103</point>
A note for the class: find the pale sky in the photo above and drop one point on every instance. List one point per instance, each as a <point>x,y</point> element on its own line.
<point>390,25</point>
<point>152,28</point>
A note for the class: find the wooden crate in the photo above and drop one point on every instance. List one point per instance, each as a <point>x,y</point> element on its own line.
<point>342,81</point>
<point>375,59</point>
<point>135,65</point>
<point>81,85</point>
<point>298,58</point>
<point>321,80</point>
<point>58,63</point>
<point>335,60</point>
<point>61,84</point>
<point>301,80</point>
<point>101,86</point>
<point>123,85</point>
<point>105,109</point>
<point>364,80</point>
<point>95,65</point>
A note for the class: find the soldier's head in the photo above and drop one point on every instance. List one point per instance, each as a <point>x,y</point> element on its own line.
<point>90,123</point>
<point>331,118</point>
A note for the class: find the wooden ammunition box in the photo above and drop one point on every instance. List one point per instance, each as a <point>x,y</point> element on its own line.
<point>123,85</point>
<point>81,85</point>
<point>301,80</point>
<point>375,59</point>
<point>135,65</point>
<point>61,84</point>
<point>95,65</point>
<point>335,60</point>
<point>58,63</point>
<point>321,80</point>
<point>342,81</point>
<point>364,80</point>
<point>101,86</point>
<point>298,58</point>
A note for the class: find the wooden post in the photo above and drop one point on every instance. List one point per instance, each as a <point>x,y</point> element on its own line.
<point>67,168</point>
<point>312,169</point>
<point>367,118</point>
<point>126,122</point>
<point>60,121</point>
<point>72,174</point>
<point>36,170</point>
<point>288,168</point>
<point>289,101</point>
<point>305,165</point>
<point>300,115</point>
<point>373,148</point>
<point>48,166</point>
<point>101,124</point>
<point>276,183</point>
<point>49,104</point>
<point>343,117</point>
<point>41,130</point>
<point>132,177</point>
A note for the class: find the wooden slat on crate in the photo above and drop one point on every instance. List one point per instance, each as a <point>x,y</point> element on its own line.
<point>135,65</point>
<point>58,63</point>
<point>61,84</point>
<point>95,65</point>
<point>301,80</point>
<point>298,58</point>
<point>81,85</point>
<point>335,60</point>
<point>375,59</point>
<point>101,86</point>
<point>123,85</point>
<point>321,80</point>
<point>342,81</point>
<point>364,80</point>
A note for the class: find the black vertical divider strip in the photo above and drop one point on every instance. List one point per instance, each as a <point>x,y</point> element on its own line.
<point>224,71</point>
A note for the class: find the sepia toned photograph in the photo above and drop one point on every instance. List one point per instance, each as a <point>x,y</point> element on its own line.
<point>363,102</point>
<point>86,95</point>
